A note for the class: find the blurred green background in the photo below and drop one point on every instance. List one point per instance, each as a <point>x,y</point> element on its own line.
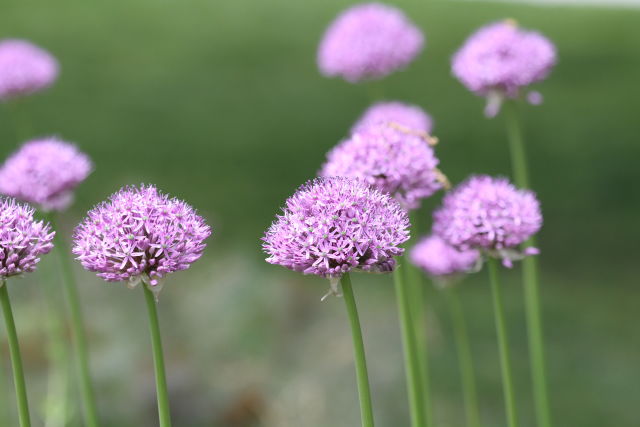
<point>220,103</point>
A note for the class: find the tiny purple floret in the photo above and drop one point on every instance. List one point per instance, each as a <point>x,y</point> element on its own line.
<point>23,240</point>
<point>140,234</point>
<point>410,116</point>
<point>331,226</point>
<point>368,41</point>
<point>491,215</point>
<point>393,160</point>
<point>45,172</point>
<point>439,259</point>
<point>24,69</point>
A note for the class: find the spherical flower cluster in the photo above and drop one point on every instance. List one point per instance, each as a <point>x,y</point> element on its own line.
<point>440,259</point>
<point>500,59</point>
<point>409,116</point>
<point>368,41</point>
<point>392,160</point>
<point>22,239</point>
<point>489,214</point>
<point>24,68</point>
<point>140,234</point>
<point>45,172</point>
<point>331,226</point>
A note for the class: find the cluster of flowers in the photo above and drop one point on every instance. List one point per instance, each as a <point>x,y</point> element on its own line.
<point>391,150</point>
<point>139,234</point>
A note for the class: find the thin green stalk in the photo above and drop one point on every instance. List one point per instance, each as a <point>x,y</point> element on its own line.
<point>529,277</point>
<point>164,413</point>
<point>503,344</point>
<point>16,359</point>
<point>417,287</point>
<point>419,314</point>
<point>465,360</point>
<point>366,410</point>
<point>77,329</point>
<point>412,364</point>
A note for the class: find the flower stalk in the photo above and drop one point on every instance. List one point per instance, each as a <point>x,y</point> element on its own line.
<point>465,360</point>
<point>412,363</point>
<point>77,329</point>
<point>529,275</point>
<point>366,410</point>
<point>503,344</point>
<point>164,413</point>
<point>16,358</point>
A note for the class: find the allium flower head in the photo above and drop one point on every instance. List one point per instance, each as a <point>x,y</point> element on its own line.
<point>489,214</point>
<point>22,239</point>
<point>331,226</point>
<point>45,172</point>
<point>24,68</point>
<point>368,41</point>
<point>500,59</point>
<point>140,234</point>
<point>440,259</point>
<point>392,159</point>
<point>410,116</point>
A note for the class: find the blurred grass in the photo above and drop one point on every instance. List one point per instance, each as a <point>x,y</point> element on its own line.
<point>220,103</point>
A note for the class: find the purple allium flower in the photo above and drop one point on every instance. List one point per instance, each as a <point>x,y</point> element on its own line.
<point>331,226</point>
<point>140,234</point>
<point>489,214</point>
<point>410,116</point>
<point>22,239</point>
<point>500,59</point>
<point>45,172</point>
<point>440,259</point>
<point>24,68</point>
<point>368,41</point>
<point>391,159</point>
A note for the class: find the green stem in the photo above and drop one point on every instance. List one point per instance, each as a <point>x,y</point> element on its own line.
<point>419,313</point>
<point>503,344</point>
<point>158,359</point>
<point>16,359</point>
<point>366,411</point>
<point>412,364</point>
<point>465,359</point>
<point>77,329</point>
<point>529,276</point>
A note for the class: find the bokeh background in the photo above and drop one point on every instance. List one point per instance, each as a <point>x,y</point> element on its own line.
<point>220,103</point>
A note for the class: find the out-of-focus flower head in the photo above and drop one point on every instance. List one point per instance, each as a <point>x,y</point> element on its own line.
<point>441,260</point>
<point>491,215</point>
<point>140,234</point>
<point>500,59</point>
<point>24,68</point>
<point>23,240</point>
<point>45,172</point>
<point>409,116</point>
<point>391,158</point>
<point>331,226</point>
<point>368,41</point>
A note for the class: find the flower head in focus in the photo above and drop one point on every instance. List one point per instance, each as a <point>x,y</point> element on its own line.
<point>45,172</point>
<point>24,68</point>
<point>500,59</point>
<point>391,158</point>
<point>23,240</point>
<point>441,260</point>
<point>409,116</point>
<point>140,234</point>
<point>331,226</point>
<point>368,41</point>
<point>491,215</point>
